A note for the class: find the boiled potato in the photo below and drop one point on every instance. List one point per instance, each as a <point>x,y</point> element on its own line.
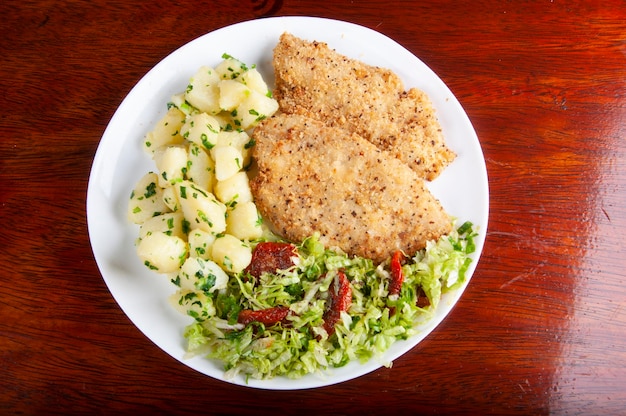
<point>179,101</point>
<point>196,214</point>
<point>203,92</point>
<point>236,188</point>
<point>171,161</point>
<point>228,161</point>
<point>254,109</point>
<point>198,305</point>
<point>235,138</point>
<point>230,68</point>
<point>161,252</point>
<point>232,93</point>
<point>200,243</point>
<point>203,275</point>
<point>201,169</point>
<point>253,79</point>
<point>201,129</point>
<point>238,139</point>
<point>244,222</point>
<point>146,199</point>
<point>200,207</point>
<point>225,121</point>
<point>170,223</point>
<point>170,199</point>
<point>166,131</point>
<point>232,254</point>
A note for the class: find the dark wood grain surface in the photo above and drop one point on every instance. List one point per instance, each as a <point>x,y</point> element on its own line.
<point>541,328</point>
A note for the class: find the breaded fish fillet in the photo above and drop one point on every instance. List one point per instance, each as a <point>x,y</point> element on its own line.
<point>318,82</point>
<point>315,178</point>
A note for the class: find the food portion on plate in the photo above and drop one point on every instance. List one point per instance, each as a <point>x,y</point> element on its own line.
<point>295,224</point>
<point>313,178</point>
<point>316,81</point>
<point>196,212</point>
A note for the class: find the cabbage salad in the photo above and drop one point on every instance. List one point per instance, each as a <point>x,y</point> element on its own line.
<point>300,343</point>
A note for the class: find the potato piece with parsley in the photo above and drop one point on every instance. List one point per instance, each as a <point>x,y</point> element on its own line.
<point>198,305</point>
<point>201,129</point>
<point>244,222</point>
<point>200,207</point>
<point>253,110</point>
<point>234,189</point>
<point>200,243</point>
<point>201,169</point>
<point>146,199</point>
<point>166,131</point>
<point>253,79</point>
<point>238,139</point>
<point>171,223</point>
<point>228,161</point>
<point>179,101</point>
<point>202,91</point>
<point>170,199</point>
<point>199,274</point>
<point>171,161</point>
<point>230,67</point>
<point>232,254</point>
<point>232,93</point>
<point>161,252</point>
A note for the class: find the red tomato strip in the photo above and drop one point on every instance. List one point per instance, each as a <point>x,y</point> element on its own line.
<point>267,317</point>
<point>422,299</point>
<point>268,257</point>
<point>397,278</point>
<point>339,301</point>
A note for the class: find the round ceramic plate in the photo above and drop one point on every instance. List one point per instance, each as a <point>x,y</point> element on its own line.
<point>120,162</point>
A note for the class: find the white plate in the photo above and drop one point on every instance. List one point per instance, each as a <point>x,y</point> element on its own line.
<point>120,162</point>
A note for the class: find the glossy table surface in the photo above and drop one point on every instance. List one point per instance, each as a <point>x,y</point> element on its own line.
<point>540,329</point>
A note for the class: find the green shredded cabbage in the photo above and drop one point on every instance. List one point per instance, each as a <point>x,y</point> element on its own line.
<point>373,323</point>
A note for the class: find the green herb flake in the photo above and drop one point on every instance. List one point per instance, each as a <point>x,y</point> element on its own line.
<point>150,265</point>
<point>203,217</point>
<point>250,144</point>
<point>150,190</point>
<point>186,226</point>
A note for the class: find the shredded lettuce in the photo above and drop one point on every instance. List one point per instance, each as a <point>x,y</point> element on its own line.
<point>301,346</point>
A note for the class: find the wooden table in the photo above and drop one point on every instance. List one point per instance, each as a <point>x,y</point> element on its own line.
<point>542,326</point>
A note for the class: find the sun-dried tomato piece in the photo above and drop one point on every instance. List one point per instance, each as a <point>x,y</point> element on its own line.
<point>397,277</point>
<point>267,257</point>
<point>267,317</point>
<point>339,301</point>
<point>422,299</point>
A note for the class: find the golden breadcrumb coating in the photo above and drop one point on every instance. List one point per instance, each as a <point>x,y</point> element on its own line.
<point>315,178</point>
<point>316,81</point>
